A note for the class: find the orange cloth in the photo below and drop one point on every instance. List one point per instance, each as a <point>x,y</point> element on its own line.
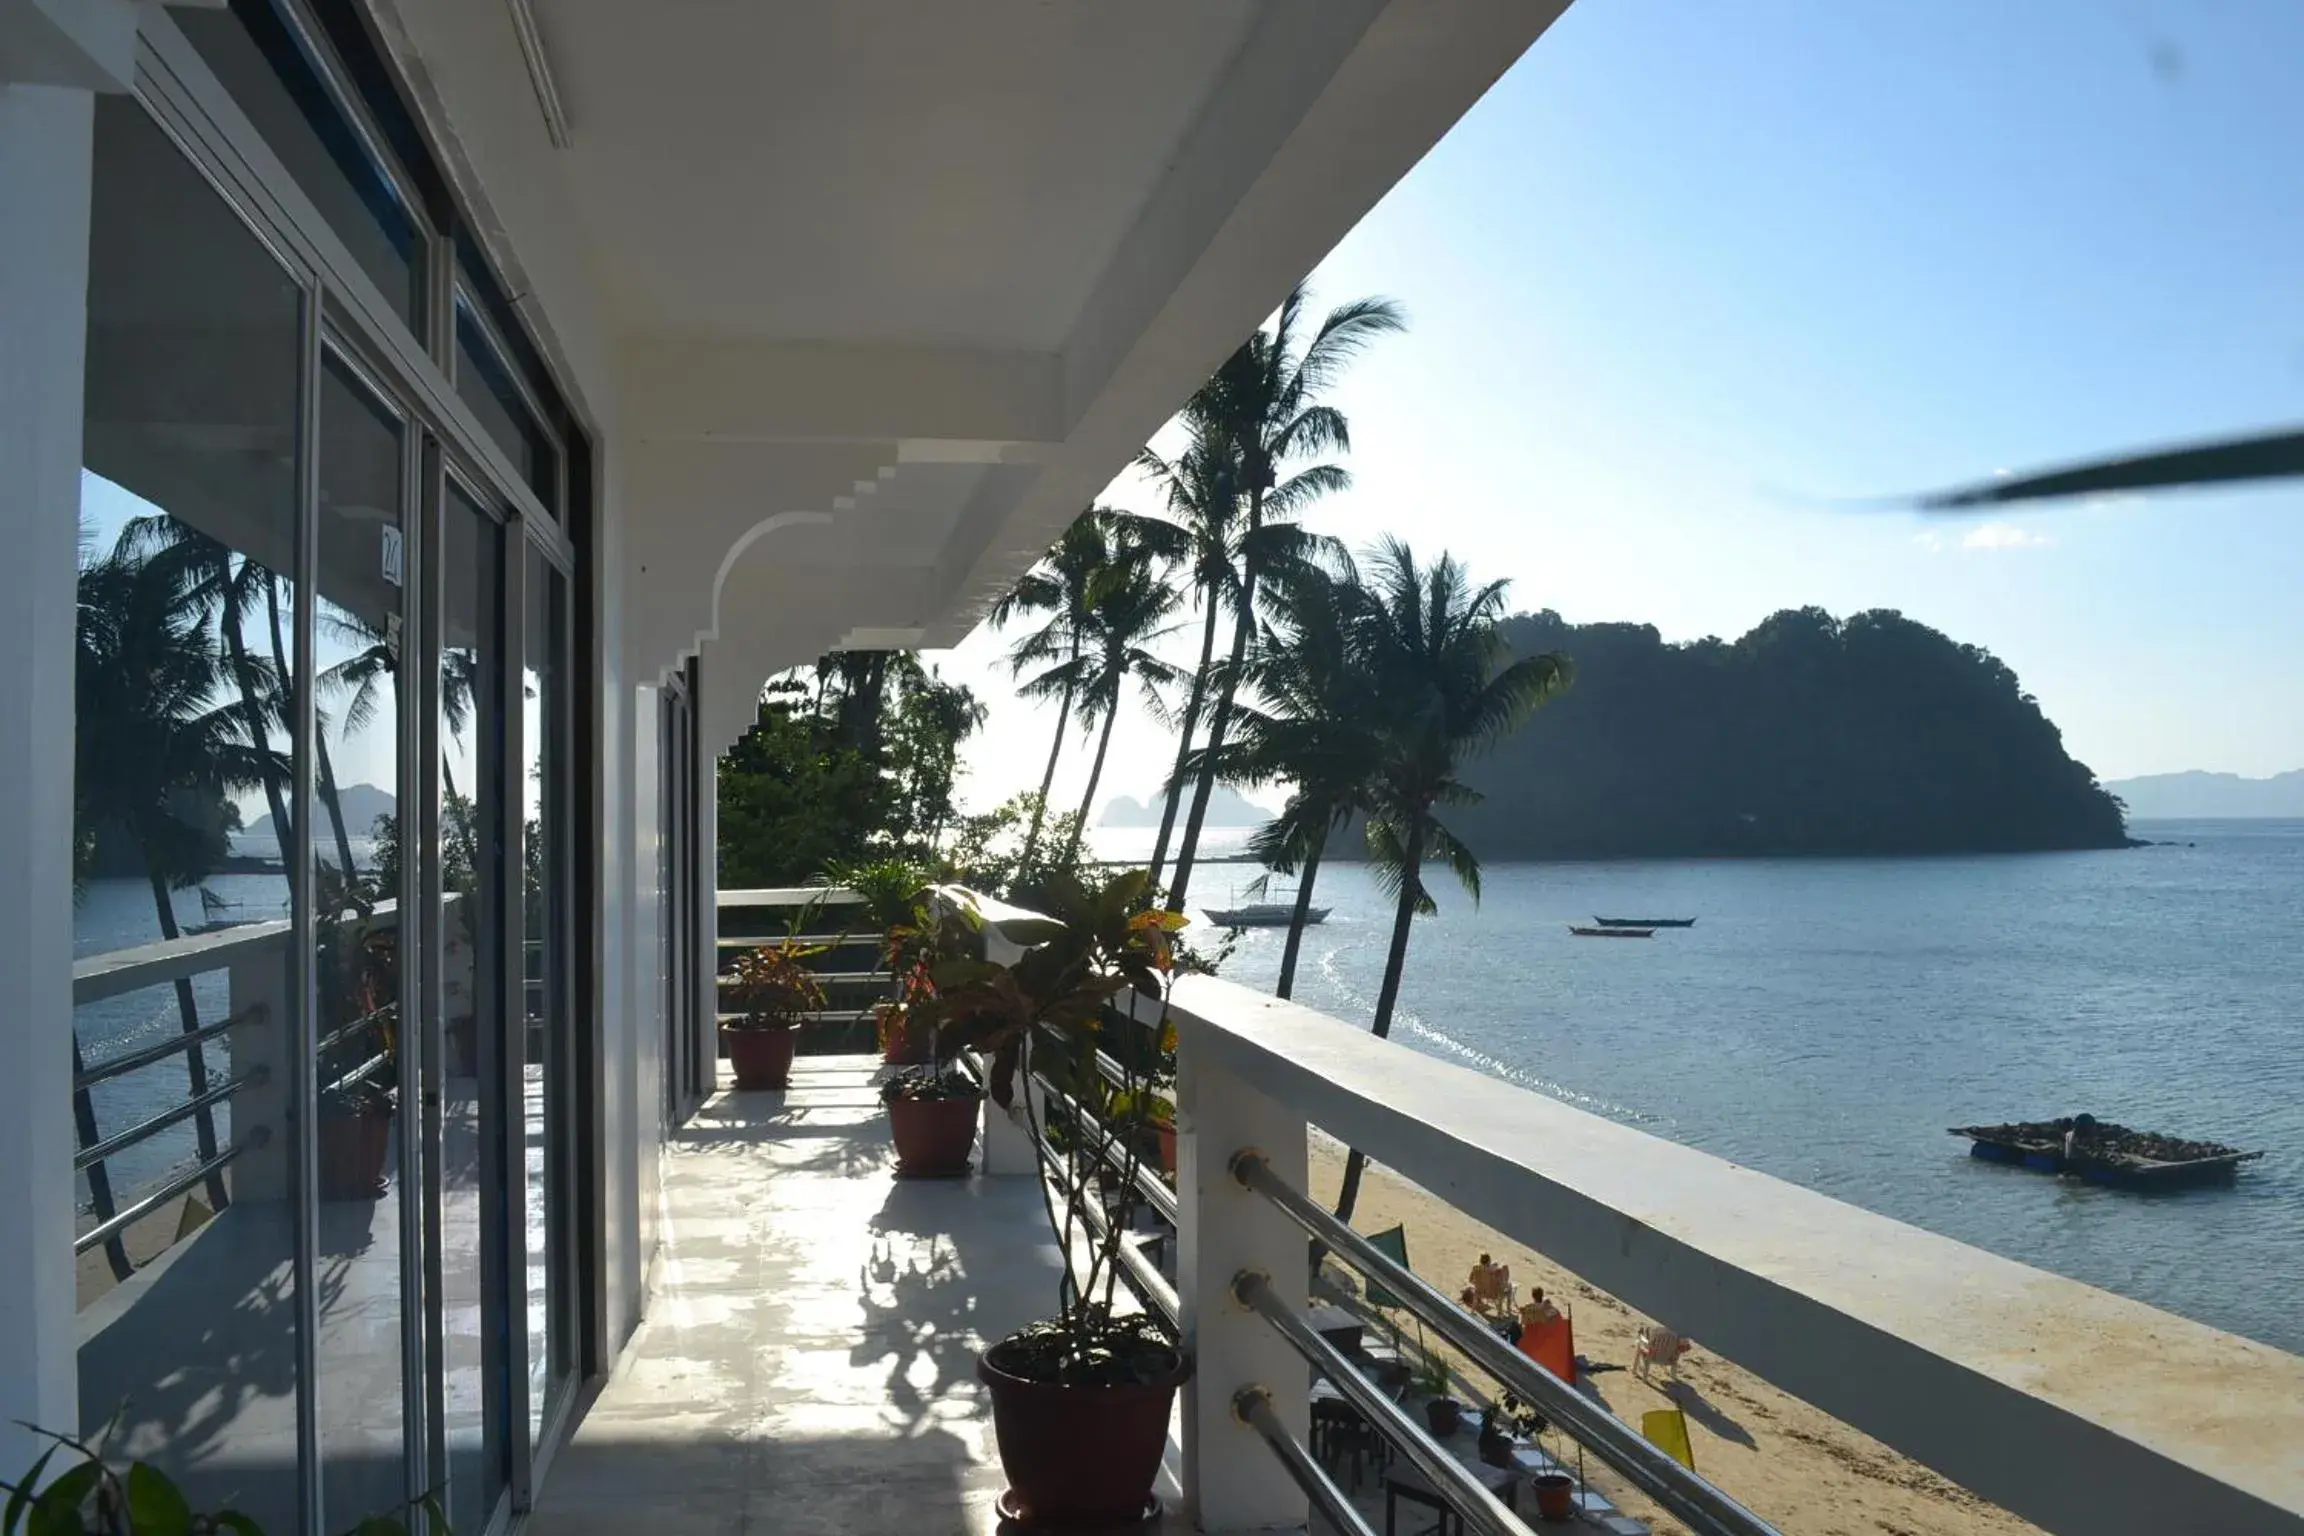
<point>1552,1345</point>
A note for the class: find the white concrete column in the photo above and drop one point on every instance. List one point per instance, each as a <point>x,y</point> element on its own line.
<point>45,145</point>
<point>262,1011</point>
<point>1232,1481</point>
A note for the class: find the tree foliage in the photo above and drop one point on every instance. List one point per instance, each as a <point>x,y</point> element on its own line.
<point>850,759</point>
<point>1810,735</point>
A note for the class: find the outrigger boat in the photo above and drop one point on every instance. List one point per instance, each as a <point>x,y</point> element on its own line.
<point>2104,1153</point>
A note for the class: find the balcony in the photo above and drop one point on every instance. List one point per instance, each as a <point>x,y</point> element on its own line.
<point>807,1361</point>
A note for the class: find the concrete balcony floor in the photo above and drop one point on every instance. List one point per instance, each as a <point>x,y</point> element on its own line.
<point>808,1360</point>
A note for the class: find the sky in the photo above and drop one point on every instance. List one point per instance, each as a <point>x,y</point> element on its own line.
<point>1700,291</point>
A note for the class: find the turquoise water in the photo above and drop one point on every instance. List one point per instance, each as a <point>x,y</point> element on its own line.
<point>1827,1019</point>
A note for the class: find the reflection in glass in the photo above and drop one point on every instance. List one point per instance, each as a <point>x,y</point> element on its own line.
<point>545,1058</point>
<point>271,75</point>
<point>470,1045</point>
<point>184,802</point>
<point>356,950</point>
<point>484,381</point>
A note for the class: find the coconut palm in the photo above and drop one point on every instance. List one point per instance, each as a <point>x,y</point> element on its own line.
<point>1263,408</point>
<point>1127,616</point>
<point>161,746</point>
<point>1432,651</point>
<point>1063,586</point>
<point>1309,720</point>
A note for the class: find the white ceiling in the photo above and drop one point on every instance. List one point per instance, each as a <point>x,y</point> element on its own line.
<point>869,170</point>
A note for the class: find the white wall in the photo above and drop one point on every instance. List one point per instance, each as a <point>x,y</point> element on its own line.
<point>45,145</point>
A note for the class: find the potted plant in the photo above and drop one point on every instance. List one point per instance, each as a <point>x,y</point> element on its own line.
<point>1080,1400</point>
<point>892,900</point>
<point>776,990</point>
<point>1503,1424</point>
<point>354,1139</point>
<point>1555,1496</point>
<point>1442,1412</point>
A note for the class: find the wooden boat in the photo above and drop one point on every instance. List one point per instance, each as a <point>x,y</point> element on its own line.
<point>1262,914</point>
<point>1610,933</point>
<point>1645,922</point>
<point>2103,1153</point>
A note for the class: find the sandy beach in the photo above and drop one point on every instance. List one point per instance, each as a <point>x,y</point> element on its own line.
<point>1786,1461</point>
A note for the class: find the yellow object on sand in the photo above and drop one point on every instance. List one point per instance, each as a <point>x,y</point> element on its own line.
<point>1667,1429</point>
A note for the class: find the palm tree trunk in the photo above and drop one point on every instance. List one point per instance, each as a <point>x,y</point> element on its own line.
<point>286,683</point>
<point>1297,920</point>
<point>1395,961</point>
<point>1095,772</point>
<point>1047,779</point>
<point>1184,739</point>
<point>195,1059</point>
<point>335,808</point>
<point>236,646</point>
<point>1219,721</point>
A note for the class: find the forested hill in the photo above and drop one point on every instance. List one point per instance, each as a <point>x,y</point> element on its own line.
<point>1810,735</point>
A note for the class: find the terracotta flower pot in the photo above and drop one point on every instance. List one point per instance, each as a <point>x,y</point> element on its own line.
<point>762,1058</point>
<point>353,1147</point>
<point>1079,1455</point>
<point>933,1136</point>
<point>1167,1133</point>
<point>1555,1496</point>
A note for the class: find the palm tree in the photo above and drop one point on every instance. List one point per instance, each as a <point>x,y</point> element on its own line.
<point>157,756</point>
<point>1311,723</point>
<point>1127,616</point>
<point>1432,651</point>
<point>1263,409</point>
<point>1063,585</point>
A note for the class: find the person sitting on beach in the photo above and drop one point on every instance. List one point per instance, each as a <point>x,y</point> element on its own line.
<point>1492,1286</point>
<point>1538,1311</point>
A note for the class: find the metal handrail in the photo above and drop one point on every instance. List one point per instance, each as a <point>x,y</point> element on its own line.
<point>1149,1185</point>
<point>1689,1499</point>
<point>360,1073</point>
<point>1144,1278</point>
<point>99,1151</point>
<point>1253,1407</point>
<point>337,1037</point>
<point>128,1216</point>
<point>1473,1503</point>
<point>130,1061</point>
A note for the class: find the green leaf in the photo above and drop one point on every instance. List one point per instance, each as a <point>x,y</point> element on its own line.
<point>156,1507</point>
<point>21,1495</point>
<point>235,1522</point>
<point>377,1525</point>
<point>56,1512</point>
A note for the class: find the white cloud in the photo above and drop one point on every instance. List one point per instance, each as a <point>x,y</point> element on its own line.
<point>1995,536</point>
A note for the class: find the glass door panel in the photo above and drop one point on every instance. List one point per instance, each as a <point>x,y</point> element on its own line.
<point>467,1021</point>
<point>545,1044</point>
<point>357,832</point>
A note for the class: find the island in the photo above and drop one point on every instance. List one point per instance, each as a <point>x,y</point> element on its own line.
<point>1227,807</point>
<point>1812,734</point>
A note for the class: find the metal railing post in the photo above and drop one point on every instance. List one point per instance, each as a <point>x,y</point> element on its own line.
<point>1232,1482</point>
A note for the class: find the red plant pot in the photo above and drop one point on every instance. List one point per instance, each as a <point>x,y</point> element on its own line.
<point>1555,1496</point>
<point>933,1136</point>
<point>1167,1133</point>
<point>762,1058</point>
<point>1079,1455</point>
<point>353,1148</point>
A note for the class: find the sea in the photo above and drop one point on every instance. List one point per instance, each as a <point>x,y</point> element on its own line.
<point>1827,1020</point>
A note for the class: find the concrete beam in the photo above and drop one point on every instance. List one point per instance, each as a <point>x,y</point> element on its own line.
<point>86,45</point>
<point>979,405</point>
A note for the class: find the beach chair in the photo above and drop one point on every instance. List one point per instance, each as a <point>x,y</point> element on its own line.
<point>1659,1345</point>
<point>1492,1290</point>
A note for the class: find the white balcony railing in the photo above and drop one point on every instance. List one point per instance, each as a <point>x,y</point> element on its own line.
<point>1991,1372</point>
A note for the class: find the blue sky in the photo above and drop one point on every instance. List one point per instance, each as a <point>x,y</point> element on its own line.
<point>1696,279</point>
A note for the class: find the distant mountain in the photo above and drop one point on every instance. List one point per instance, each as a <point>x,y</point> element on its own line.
<point>1226,808</point>
<point>361,804</point>
<point>2174,796</point>
<point>1812,734</point>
